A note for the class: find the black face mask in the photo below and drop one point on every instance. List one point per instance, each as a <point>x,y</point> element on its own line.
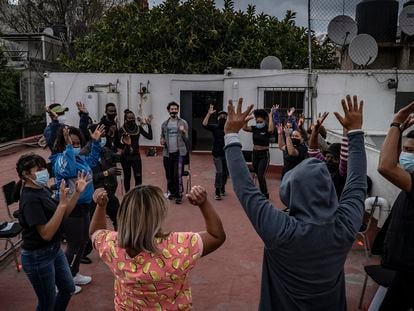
<point>221,122</point>
<point>130,122</point>
<point>332,166</point>
<point>295,141</point>
<point>111,116</point>
<point>173,114</point>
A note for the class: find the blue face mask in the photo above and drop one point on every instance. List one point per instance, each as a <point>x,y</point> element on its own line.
<point>76,151</point>
<point>407,161</point>
<point>103,141</point>
<point>260,125</point>
<point>42,178</point>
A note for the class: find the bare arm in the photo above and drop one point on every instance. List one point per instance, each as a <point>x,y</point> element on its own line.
<point>271,128</point>
<point>98,221</point>
<point>280,139</point>
<point>207,117</point>
<point>289,145</point>
<point>390,152</point>
<point>214,236</point>
<point>247,128</point>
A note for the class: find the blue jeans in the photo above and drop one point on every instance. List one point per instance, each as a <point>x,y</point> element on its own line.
<point>46,268</point>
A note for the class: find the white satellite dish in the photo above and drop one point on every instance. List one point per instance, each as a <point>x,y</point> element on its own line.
<point>48,31</point>
<point>407,20</point>
<point>363,50</point>
<point>271,63</point>
<point>342,29</point>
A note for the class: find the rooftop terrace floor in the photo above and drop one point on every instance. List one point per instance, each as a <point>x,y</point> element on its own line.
<point>228,279</point>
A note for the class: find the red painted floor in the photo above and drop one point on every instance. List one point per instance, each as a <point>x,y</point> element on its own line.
<point>228,279</point>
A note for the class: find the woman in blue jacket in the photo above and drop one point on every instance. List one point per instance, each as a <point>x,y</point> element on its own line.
<point>67,162</point>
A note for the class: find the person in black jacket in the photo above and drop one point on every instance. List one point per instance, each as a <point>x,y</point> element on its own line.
<point>398,253</point>
<point>130,157</point>
<point>218,150</point>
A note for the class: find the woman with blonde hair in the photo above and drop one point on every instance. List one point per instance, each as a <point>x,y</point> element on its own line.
<point>150,266</point>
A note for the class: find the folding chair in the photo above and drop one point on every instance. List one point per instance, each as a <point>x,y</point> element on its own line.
<point>12,229</point>
<point>371,204</point>
<point>187,173</point>
<point>379,275</point>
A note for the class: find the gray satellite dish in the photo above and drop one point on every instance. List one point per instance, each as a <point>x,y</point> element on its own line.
<point>271,63</point>
<point>363,50</point>
<point>342,29</point>
<point>48,31</point>
<point>407,20</point>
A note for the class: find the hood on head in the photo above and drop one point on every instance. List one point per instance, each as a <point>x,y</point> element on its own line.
<point>309,193</point>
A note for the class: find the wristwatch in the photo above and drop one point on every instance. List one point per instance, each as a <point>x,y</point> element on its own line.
<point>400,126</point>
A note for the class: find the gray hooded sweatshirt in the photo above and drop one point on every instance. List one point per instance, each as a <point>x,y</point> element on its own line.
<point>305,251</point>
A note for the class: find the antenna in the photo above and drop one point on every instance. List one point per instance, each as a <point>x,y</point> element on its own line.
<point>363,50</point>
<point>407,20</point>
<point>342,30</point>
<point>271,63</point>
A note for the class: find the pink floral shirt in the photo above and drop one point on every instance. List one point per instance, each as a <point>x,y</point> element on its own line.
<point>151,281</point>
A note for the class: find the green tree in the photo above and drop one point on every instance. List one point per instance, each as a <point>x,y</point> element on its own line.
<point>192,37</point>
<point>11,109</point>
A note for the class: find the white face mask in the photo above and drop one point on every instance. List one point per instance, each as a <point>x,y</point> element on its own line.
<point>61,119</point>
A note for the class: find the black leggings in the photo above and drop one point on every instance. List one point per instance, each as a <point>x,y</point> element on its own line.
<point>135,164</point>
<point>260,161</point>
<point>76,228</point>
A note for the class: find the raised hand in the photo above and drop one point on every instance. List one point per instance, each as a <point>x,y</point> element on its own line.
<point>211,110</point>
<point>279,129</point>
<point>275,108</point>
<point>353,113</point>
<point>99,131</point>
<point>403,114</point>
<point>82,181</point>
<point>81,107</point>
<point>66,136</point>
<point>53,115</point>
<point>291,112</point>
<point>236,119</point>
<point>301,120</point>
<point>286,130</point>
<point>100,197</point>
<point>197,196</point>
<point>408,122</point>
<point>149,119</point>
<point>63,194</point>
<point>319,121</point>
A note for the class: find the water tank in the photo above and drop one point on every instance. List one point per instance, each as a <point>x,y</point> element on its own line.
<point>378,18</point>
<point>92,104</point>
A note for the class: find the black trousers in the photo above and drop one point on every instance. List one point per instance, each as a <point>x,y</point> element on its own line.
<point>260,161</point>
<point>174,167</point>
<point>133,163</point>
<point>76,228</point>
<point>400,295</point>
<point>222,172</point>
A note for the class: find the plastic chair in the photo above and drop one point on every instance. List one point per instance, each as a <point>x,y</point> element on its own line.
<point>371,204</point>
<point>379,275</point>
<point>9,198</point>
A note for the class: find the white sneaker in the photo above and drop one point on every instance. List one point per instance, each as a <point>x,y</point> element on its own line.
<point>80,279</point>
<point>78,289</point>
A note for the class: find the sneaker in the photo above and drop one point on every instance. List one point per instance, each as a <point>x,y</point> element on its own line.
<point>86,260</point>
<point>78,289</point>
<point>179,200</point>
<point>171,197</point>
<point>167,194</point>
<point>222,192</point>
<point>218,197</point>
<point>80,279</point>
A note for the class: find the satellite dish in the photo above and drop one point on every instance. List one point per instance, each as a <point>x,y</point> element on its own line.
<point>342,29</point>
<point>48,31</point>
<point>271,63</point>
<point>363,50</point>
<point>407,20</point>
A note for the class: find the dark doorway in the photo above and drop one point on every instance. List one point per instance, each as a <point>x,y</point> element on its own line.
<point>194,107</point>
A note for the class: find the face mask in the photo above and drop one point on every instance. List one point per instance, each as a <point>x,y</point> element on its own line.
<point>173,114</point>
<point>42,177</point>
<point>103,141</point>
<point>295,141</point>
<point>76,151</point>
<point>130,122</point>
<point>61,119</point>
<point>407,161</point>
<point>111,116</point>
<point>260,125</point>
<point>332,166</point>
